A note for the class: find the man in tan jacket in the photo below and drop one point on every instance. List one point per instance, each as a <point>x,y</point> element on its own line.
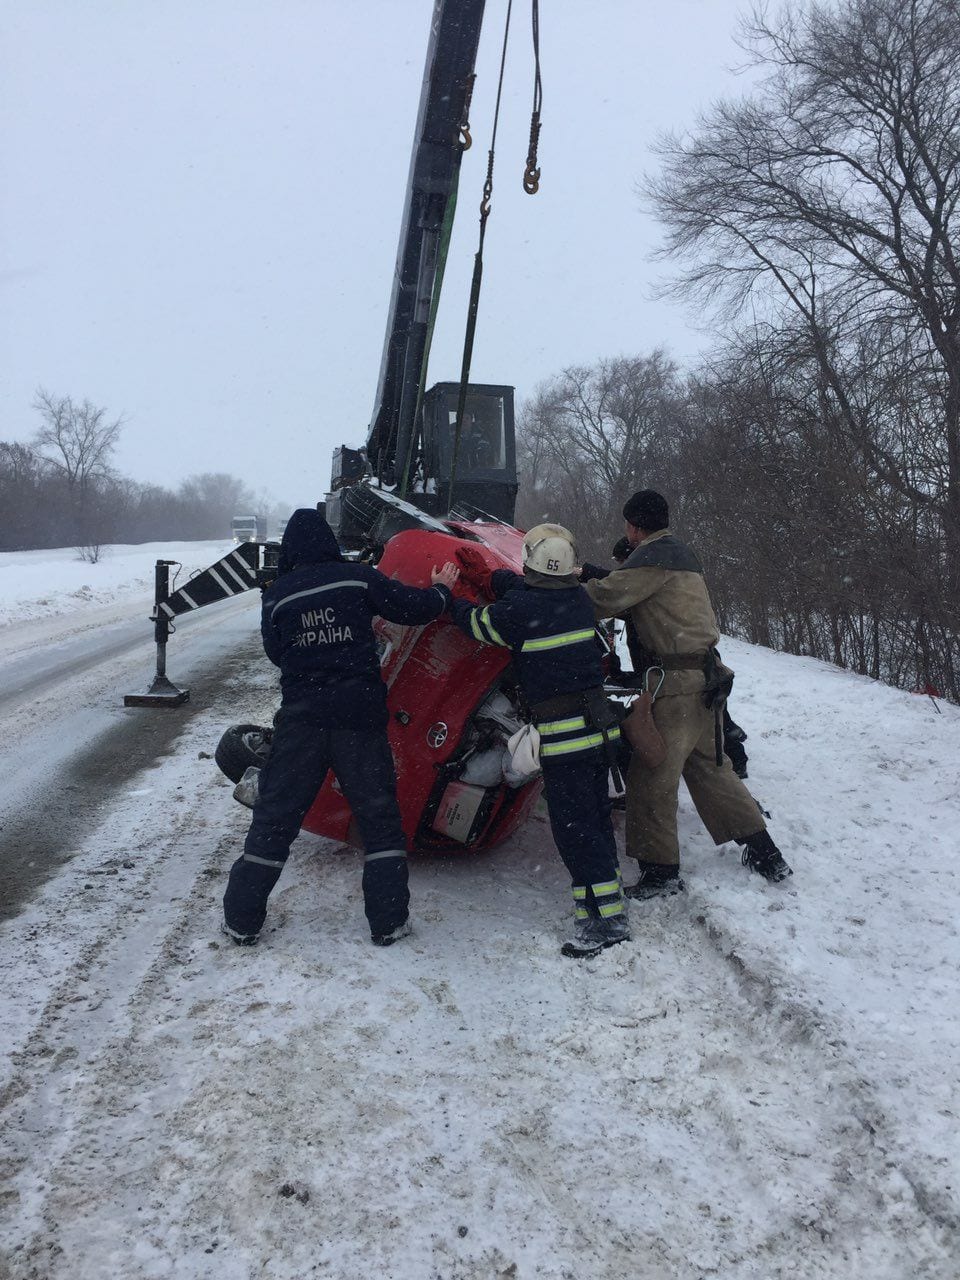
<point>660,588</point>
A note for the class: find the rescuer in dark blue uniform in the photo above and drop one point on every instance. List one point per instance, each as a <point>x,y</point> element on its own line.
<point>547,621</point>
<point>316,625</point>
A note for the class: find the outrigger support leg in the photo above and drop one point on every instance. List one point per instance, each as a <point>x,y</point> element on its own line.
<point>162,693</point>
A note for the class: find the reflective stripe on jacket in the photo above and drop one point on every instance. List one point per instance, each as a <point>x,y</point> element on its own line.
<point>317,626</point>
<point>564,737</point>
<point>550,633</point>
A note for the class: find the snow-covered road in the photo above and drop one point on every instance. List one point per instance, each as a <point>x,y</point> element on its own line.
<point>763,1084</point>
<point>39,658</point>
<point>65,663</point>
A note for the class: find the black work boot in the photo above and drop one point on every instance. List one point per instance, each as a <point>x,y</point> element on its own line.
<point>391,936</point>
<point>241,939</point>
<point>760,854</point>
<point>591,936</point>
<point>656,881</point>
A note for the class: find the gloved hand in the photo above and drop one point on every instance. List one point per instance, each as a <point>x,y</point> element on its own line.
<point>590,571</point>
<point>473,569</point>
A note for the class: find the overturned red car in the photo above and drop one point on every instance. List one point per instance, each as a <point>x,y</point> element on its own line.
<point>452,704</point>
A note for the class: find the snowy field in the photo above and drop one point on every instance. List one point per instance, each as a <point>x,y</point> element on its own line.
<point>52,584</point>
<point>763,1084</point>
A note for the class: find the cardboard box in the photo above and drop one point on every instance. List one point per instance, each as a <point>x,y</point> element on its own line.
<point>458,809</point>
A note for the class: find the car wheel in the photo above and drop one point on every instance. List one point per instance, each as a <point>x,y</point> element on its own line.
<point>240,747</point>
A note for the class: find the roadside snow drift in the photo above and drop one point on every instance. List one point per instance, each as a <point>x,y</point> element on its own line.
<point>42,584</point>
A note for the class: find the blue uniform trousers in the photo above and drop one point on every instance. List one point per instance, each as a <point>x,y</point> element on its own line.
<point>576,789</point>
<point>299,759</point>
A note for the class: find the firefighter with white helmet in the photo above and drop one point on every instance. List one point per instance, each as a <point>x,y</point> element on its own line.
<point>546,619</point>
<point>549,549</point>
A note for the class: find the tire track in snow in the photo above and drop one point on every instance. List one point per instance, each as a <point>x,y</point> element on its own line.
<point>63,770</point>
<point>637,1116</point>
<point>800,1022</point>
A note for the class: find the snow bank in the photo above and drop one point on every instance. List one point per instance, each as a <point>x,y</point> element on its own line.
<point>43,584</point>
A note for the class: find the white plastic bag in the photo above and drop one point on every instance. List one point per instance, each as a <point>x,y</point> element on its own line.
<point>524,748</point>
<point>248,788</point>
<point>484,768</point>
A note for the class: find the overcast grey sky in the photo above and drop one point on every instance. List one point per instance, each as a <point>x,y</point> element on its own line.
<point>200,207</point>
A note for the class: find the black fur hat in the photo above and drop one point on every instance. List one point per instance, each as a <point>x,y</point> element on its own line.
<point>647,510</point>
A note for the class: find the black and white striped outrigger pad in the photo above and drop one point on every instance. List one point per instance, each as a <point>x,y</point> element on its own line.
<point>236,572</point>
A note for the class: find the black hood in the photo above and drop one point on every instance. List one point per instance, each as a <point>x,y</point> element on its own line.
<point>307,539</point>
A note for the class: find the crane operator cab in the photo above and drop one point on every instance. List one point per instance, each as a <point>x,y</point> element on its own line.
<point>484,465</point>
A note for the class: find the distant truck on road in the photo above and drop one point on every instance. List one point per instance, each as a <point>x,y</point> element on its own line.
<point>249,528</point>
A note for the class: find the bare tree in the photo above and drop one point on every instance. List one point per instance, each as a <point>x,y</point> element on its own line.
<point>590,437</point>
<point>805,548</point>
<point>78,439</point>
<point>833,192</point>
<point>39,508</point>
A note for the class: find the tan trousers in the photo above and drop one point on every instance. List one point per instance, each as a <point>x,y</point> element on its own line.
<point>724,804</point>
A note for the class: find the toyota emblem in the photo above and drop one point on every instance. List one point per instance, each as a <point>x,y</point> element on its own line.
<point>437,734</point>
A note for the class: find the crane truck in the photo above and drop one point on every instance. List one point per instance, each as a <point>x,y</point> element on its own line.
<point>438,467</point>
<point>419,452</point>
